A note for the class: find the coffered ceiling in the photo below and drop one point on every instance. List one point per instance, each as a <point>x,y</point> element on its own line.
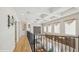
<point>43,14</point>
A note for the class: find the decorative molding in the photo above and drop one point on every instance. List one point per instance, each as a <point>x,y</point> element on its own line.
<point>64,17</point>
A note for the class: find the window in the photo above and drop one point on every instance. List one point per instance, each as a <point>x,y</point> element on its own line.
<point>57,28</point>
<point>44,28</point>
<point>70,27</point>
<point>49,28</point>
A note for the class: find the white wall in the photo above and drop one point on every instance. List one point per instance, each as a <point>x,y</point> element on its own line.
<point>20,26</point>
<point>7,35</point>
<point>31,26</point>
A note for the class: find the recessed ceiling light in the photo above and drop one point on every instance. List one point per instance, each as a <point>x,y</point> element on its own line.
<point>22,14</point>
<point>28,12</point>
<point>52,17</point>
<point>37,19</point>
<point>43,15</point>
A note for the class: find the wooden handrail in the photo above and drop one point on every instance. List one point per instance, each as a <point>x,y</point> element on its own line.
<point>23,45</point>
<point>60,35</point>
<point>59,39</point>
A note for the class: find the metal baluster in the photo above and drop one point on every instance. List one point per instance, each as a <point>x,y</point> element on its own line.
<point>46,44</point>
<point>41,40</point>
<point>58,44</point>
<point>70,39</point>
<point>61,45</point>
<point>55,43</point>
<point>52,43</point>
<point>34,43</point>
<point>65,44</point>
<point>49,43</point>
<point>73,45</point>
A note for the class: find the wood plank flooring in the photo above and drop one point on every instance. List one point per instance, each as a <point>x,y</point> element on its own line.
<point>23,45</point>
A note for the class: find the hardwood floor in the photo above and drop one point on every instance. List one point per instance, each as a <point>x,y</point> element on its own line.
<point>40,50</point>
<point>23,45</point>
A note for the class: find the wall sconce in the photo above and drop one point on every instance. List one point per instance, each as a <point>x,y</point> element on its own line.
<point>8,21</point>
<point>11,20</point>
